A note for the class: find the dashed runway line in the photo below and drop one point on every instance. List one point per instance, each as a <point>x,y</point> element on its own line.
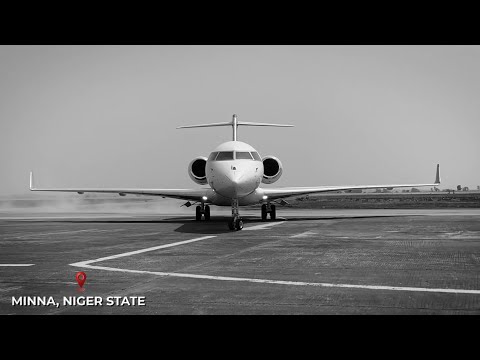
<point>15,265</point>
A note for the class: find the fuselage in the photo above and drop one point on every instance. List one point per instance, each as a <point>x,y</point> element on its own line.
<point>234,170</point>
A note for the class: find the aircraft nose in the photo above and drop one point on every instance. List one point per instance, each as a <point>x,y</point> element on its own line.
<point>237,184</point>
<point>243,183</point>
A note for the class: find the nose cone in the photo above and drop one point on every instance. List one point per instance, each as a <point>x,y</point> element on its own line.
<point>242,184</point>
<point>236,184</point>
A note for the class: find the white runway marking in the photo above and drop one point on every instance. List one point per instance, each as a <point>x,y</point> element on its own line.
<point>83,263</point>
<point>304,234</point>
<point>263,226</point>
<point>87,264</point>
<point>8,265</point>
<point>282,282</point>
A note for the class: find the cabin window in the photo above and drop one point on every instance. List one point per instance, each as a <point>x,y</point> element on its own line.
<point>243,155</point>
<point>224,155</point>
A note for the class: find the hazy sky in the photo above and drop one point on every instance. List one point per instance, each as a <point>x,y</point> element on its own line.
<point>105,116</point>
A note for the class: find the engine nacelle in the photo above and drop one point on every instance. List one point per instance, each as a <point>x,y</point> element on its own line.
<point>272,169</point>
<point>196,170</point>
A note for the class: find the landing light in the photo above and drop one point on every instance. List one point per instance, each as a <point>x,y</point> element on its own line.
<point>264,197</point>
<point>204,198</point>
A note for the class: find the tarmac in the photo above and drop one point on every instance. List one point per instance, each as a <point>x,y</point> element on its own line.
<point>306,262</point>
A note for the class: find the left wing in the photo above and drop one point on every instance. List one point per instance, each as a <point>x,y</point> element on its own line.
<point>183,194</point>
<point>285,192</point>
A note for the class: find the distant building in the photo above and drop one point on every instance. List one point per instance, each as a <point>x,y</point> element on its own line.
<point>415,190</point>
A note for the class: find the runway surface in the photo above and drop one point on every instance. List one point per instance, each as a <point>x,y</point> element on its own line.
<point>306,262</point>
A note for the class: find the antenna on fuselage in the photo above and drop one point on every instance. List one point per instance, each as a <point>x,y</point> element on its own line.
<point>234,124</point>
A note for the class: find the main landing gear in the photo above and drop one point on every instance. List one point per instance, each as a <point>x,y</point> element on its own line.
<point>202,210</point>
<point>235,223</point>
<point>269,209</point>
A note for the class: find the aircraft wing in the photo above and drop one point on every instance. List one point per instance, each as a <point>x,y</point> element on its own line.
<point>291,191</point>
<point>183,194</point>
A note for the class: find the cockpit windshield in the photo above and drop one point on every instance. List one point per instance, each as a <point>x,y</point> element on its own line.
<point>230,155</point>
<point>224,155</point>
<point>212,156</point>
<point>256,156</point>
<point>243,155</point>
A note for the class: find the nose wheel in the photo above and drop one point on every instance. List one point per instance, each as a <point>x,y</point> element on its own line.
<point>235,224</point>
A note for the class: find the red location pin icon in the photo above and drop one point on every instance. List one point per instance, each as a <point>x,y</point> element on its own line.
<point>81,277</point>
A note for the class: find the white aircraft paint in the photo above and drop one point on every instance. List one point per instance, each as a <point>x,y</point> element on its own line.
<point>234,182</point>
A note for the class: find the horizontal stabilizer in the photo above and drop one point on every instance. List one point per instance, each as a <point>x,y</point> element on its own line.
<point>205,125</point>
<point>234,124</point>
<point>262,124</point>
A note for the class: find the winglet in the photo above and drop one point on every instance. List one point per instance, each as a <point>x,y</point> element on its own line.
<point>31,180</point>
<point>437,177</point>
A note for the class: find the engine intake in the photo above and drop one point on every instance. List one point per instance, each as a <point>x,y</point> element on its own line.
<point>272,169</point>
<point>196,170</point>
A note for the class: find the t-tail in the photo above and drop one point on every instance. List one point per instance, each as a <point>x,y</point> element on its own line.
<point>234,124</point>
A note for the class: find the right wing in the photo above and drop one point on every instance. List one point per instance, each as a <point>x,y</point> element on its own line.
<point>279,193</point>
<point>183,194</point>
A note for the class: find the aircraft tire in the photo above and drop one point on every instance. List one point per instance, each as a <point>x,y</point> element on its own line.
<point>207,213</point>
<point>273,212</point>
<point>198,213</point>
<point>264,212</point>
<point>239,224</point>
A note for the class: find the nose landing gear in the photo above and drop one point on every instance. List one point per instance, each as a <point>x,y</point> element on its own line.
<point>235,223</point>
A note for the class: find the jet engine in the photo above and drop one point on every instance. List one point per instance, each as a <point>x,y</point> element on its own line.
<point>196,170</point>
<point>272,169</point>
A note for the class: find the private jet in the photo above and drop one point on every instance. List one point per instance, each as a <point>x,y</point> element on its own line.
<point>233,172</point>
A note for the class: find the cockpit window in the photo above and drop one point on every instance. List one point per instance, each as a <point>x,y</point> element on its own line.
<point>256,156</point>
<point>243,155</point>
<point>225,155</point>
<point>212,156</point>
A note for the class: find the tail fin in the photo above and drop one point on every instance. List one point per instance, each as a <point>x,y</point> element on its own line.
<point>234,124</point>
